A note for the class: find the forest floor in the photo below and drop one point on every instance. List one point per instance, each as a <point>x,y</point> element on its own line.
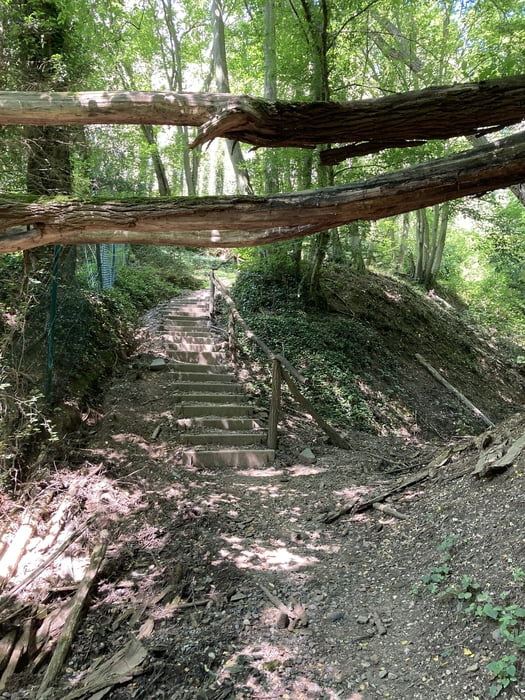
<point>282,582</point>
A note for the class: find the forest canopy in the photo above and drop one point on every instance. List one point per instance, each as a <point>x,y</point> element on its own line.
<point>372,111</point>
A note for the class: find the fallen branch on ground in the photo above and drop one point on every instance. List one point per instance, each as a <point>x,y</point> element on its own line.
<point>437,375</point>
<point>66,638</point>
<point>358,506</point>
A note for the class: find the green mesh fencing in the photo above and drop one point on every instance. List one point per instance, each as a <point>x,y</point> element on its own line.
<point>77,274</point>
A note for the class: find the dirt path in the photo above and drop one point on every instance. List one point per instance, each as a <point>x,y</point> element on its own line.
<point>234,586</point>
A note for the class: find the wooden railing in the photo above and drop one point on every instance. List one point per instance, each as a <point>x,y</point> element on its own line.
<point>282,370</point>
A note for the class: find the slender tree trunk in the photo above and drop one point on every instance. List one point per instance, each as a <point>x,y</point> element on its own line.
<point>400,259</point>
<point>441,235</point>
<point>223,85</point>
<point>356,250</point>
<point>160,170</point>
<point>174,73</point>
<point>317,21</point>
<point>422,241</point>
<point>270,88</point>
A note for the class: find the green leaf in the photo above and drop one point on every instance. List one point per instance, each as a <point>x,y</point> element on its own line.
<point>495,690</point>
<point>491,611</point>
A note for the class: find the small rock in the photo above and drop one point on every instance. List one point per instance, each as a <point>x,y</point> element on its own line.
<point>362,619</point>
<point>282,621</point>
<point>335,615</point>
<point>307,456</point>
<point>383,673</point>
<point>157,364</point>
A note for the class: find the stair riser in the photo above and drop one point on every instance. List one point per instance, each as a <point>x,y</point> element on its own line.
<point>195,368</point>
<point>215,411</point>
<point>236,399</point>
<point>217,423</point>
<point>208,358</point>
<point>186,320</point>
<point>207,387</point>
<point>185,339</point>
<point>193,347</point>
<point>231,458</point>
<point>208,378</point>
<point>225,439</point>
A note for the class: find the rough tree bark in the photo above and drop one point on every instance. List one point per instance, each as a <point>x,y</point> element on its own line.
<point>238,221</point>
<point>370,125</point>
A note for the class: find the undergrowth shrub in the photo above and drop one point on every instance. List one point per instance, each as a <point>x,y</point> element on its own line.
<point>270,284</point>
<point>45,364</point>
<point>332,352</point>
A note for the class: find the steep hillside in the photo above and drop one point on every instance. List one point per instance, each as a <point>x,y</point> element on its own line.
<point>407,323</point>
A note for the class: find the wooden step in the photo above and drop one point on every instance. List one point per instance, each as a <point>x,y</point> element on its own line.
<point>180,366</point>
<point>194,387</point>
<point>199,358</point>
<point>226,438</point>
<point>217,410</point>
<point>217,423</point>
<point>254,458</point>
<point>211,397</point>
<point>193,347</point>
<point>207,377</point>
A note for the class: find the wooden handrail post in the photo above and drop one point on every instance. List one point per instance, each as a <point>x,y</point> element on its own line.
<point>231,334</point>
<point>211,303</point>
<point>275,404</point>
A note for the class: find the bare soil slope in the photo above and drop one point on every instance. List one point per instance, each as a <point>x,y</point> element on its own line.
<point>283,582</point>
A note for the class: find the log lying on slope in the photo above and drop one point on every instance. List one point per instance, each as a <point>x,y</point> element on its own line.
<point>239,221</point>
<point>369,125</point>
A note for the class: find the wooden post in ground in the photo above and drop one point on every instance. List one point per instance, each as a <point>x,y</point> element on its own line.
<point>275,404</point>
<point>231,334</point>
<point>211,303</point>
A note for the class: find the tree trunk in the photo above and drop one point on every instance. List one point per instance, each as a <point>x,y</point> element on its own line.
<point>223,86</point>
<point>160,171</point>
<point>174,76</point>
<point>356,250</point>
<point>430,244</point>
<point>371,125</point>
<point>238,221</point>
<point>270,88</point>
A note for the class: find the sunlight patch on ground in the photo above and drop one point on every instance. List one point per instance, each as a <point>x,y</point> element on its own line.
<point>304,470</point>
<point>275,674</point>
<point>268,490</point>
<point>395,296</point>
<point>351,494</point>
<point>261,558</point>
<point>260,472</point>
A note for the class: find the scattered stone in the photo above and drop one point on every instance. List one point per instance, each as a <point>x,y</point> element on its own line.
<point>335,615</point>
<point>157,364</point>
<point>282,621</point>
<point>362,619</point>
<point>307,456</point>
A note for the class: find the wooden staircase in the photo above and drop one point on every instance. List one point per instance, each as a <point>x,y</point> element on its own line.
<point>217,423</point>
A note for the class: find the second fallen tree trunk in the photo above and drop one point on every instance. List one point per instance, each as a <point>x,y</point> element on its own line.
<point>239,221</point>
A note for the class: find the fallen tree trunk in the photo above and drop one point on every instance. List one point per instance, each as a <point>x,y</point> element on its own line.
<point>239,221</point>
<point>369,125</point>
